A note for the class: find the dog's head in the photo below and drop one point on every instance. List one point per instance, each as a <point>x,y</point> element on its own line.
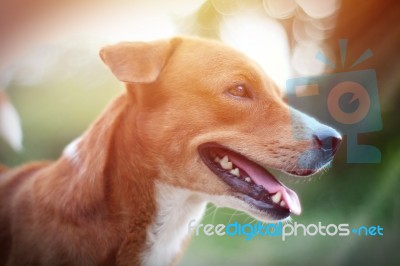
<point>210,120</point>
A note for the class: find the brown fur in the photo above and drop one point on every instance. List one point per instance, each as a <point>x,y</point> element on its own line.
<point>95,210</point>
<point>71,219</point>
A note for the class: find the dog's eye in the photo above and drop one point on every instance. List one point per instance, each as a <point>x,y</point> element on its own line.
<point>239,91</point>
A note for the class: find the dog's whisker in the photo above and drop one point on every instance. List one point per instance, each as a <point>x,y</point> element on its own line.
<point>214,215</point>
<point>209,211</point>
<point>231,216</point>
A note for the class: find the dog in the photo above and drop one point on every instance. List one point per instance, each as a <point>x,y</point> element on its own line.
<point>198,122</point>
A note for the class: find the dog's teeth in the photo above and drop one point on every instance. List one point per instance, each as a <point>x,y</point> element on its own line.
<point>283,204</point>
<point>217,159</point>
<point>277,197</point>
<point>247,179</point>
<point>224,159</point>
<point>235,172</point>
<point>226,165</point>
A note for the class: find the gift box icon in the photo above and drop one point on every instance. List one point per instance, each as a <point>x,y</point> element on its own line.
<point>347,101</point>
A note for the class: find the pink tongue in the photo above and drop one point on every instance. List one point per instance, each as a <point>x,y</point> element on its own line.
<point>260,176</point>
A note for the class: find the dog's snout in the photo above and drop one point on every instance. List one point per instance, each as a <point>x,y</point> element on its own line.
<point>327,141</point>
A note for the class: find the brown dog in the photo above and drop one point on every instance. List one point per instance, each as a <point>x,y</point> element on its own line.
<point>198,122</point>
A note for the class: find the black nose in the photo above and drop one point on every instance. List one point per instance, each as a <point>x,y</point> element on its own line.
<point>327,141</point>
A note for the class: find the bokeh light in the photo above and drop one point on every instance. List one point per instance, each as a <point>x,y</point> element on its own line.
<point>52,76</point>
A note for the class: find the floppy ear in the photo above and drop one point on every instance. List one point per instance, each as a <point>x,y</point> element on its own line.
<point>134,62</point>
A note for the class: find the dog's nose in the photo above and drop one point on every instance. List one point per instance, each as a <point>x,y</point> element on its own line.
<point>327,141</point>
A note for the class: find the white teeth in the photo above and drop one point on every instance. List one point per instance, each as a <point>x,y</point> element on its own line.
<point>227,165</point>
<point>235,172</point>
<point>283,204</point>
<point>247,179</point>
<point>277,197</point>
<point>217,159</point>
<point>224,159</point>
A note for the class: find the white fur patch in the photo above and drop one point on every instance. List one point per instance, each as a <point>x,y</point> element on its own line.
<point>71,150</point>
<point>176,207</point>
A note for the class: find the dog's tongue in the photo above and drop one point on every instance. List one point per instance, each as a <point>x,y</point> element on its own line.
<point>261,176</point>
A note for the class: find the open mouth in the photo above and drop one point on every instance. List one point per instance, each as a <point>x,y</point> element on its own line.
<point>250,182</point>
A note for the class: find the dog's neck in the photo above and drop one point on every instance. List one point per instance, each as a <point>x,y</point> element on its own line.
<point>107,159</point>
<point>107,154</point>
<point>177,209</point>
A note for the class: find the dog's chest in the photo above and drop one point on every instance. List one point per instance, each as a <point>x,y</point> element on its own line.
<point>176,207</point>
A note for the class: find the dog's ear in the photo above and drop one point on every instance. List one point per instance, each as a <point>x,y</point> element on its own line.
<point>137,62</point>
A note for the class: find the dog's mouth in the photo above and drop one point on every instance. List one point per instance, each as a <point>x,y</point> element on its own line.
<point>250,182</point>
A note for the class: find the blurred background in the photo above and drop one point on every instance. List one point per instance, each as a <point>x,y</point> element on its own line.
<point>53,85</point>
